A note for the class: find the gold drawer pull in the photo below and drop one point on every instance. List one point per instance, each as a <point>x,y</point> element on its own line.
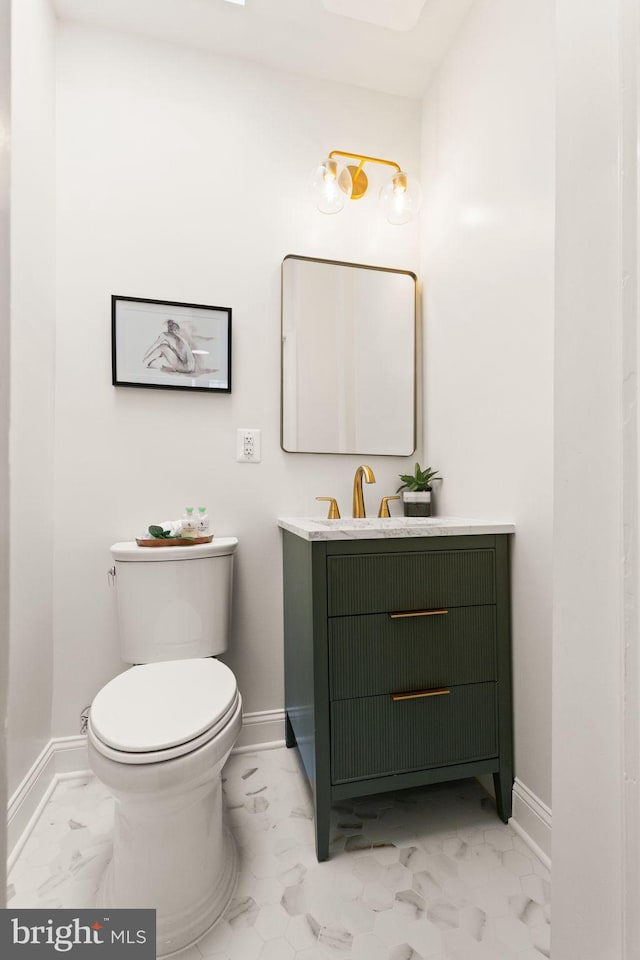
<point>417,613</point>
<point>415,694</point>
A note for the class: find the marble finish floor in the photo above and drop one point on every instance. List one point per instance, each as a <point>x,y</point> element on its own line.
<point>424,874</point>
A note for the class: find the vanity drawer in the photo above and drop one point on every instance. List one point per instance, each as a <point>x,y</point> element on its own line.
<point>392,582</point>
<point>376,653</point>
<point>377,736</point>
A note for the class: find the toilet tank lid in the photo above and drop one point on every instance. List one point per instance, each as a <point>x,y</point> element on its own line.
<point>156,706</point>
<point>219,547</point>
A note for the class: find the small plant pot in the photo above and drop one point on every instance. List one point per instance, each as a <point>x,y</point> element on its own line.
<point>417,504</point>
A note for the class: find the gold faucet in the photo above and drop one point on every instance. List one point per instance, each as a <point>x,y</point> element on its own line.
<point>334,510</point>
<point>358,499</point>
<point>384,506</point>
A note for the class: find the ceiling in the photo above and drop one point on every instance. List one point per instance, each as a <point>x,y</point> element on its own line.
<point>303,36</point>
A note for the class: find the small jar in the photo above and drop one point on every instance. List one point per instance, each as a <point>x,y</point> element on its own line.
<point>189,524</point>
<point>203,522</point>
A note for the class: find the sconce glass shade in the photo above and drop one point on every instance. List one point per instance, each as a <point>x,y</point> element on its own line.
<point>331,185</point>
<point>401,198</point>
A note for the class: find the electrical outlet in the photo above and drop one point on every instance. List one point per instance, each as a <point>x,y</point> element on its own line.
<point>248,445</point>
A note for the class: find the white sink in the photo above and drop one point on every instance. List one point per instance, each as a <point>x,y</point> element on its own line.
<point>372,528</point>
<point>375,522</point>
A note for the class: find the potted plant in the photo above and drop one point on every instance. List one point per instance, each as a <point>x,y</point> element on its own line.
<point>416,491</point>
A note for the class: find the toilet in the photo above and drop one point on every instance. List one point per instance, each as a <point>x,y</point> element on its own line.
<point>160,733</point>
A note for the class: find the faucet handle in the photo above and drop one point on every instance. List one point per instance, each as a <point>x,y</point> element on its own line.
<point>334,512</point>
<point>384,506</point>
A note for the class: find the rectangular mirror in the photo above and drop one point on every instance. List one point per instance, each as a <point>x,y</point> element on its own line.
<point>348,358</point>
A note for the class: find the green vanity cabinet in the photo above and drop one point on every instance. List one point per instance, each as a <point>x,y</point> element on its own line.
<point>397,664</point>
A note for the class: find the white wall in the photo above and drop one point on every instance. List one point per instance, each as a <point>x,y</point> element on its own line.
<point>32,360</point>
<point>5,333</point>
<point>595,663</point>
<point>487,268</point>
<point>185,176</point>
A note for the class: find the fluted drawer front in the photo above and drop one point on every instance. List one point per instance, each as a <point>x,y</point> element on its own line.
<point>373,654</point>
<point>376,736</point>
<point>385,582</point>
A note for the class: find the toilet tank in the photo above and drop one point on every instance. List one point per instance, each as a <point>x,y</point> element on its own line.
<point>174,603</point>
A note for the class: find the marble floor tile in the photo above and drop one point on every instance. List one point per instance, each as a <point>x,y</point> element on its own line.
<point>422,874</point>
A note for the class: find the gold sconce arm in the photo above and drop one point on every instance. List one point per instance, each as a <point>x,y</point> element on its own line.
<point>359,179</point>
<point>364,159</point>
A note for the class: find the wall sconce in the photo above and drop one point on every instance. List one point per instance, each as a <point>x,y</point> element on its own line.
<point>333,183</point>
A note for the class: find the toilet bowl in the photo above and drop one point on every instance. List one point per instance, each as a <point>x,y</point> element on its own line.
<point>158,736</point>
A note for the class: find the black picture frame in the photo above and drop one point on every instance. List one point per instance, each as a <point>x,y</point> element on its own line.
<point>170,345</point>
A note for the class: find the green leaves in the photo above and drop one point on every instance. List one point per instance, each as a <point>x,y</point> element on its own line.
<point>407,480</point>
<point>159,534</point>
<point>418,481</point>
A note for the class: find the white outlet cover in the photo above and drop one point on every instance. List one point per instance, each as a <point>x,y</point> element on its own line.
<point>255,435</point>
<point>392,14</point>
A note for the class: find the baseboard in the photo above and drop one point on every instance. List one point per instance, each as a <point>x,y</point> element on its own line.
<point>62,758</point>
<point>70,756</point>
<point>532,821</point>
<point>261,731</point>
<point>26,804</point>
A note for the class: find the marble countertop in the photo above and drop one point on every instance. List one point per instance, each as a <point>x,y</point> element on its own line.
<point>370,528</point>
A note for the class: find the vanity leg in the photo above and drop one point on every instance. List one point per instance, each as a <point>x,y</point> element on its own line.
<point>322,809</point>
<point>323,825</point>
<point>289,735</point>
<point>503,785</point>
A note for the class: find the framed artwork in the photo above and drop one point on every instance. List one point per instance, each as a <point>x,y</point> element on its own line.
<point>170,346</point>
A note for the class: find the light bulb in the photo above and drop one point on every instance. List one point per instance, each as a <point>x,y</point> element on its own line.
<point>331,186</point>
<point>401,198</point>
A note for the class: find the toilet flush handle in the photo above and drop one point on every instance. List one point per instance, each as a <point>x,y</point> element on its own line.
<point>111,575</point>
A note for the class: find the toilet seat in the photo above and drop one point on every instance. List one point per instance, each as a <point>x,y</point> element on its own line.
<point>159,711</point>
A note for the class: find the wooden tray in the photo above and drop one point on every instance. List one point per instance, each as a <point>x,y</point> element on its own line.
<point>175,542</point>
